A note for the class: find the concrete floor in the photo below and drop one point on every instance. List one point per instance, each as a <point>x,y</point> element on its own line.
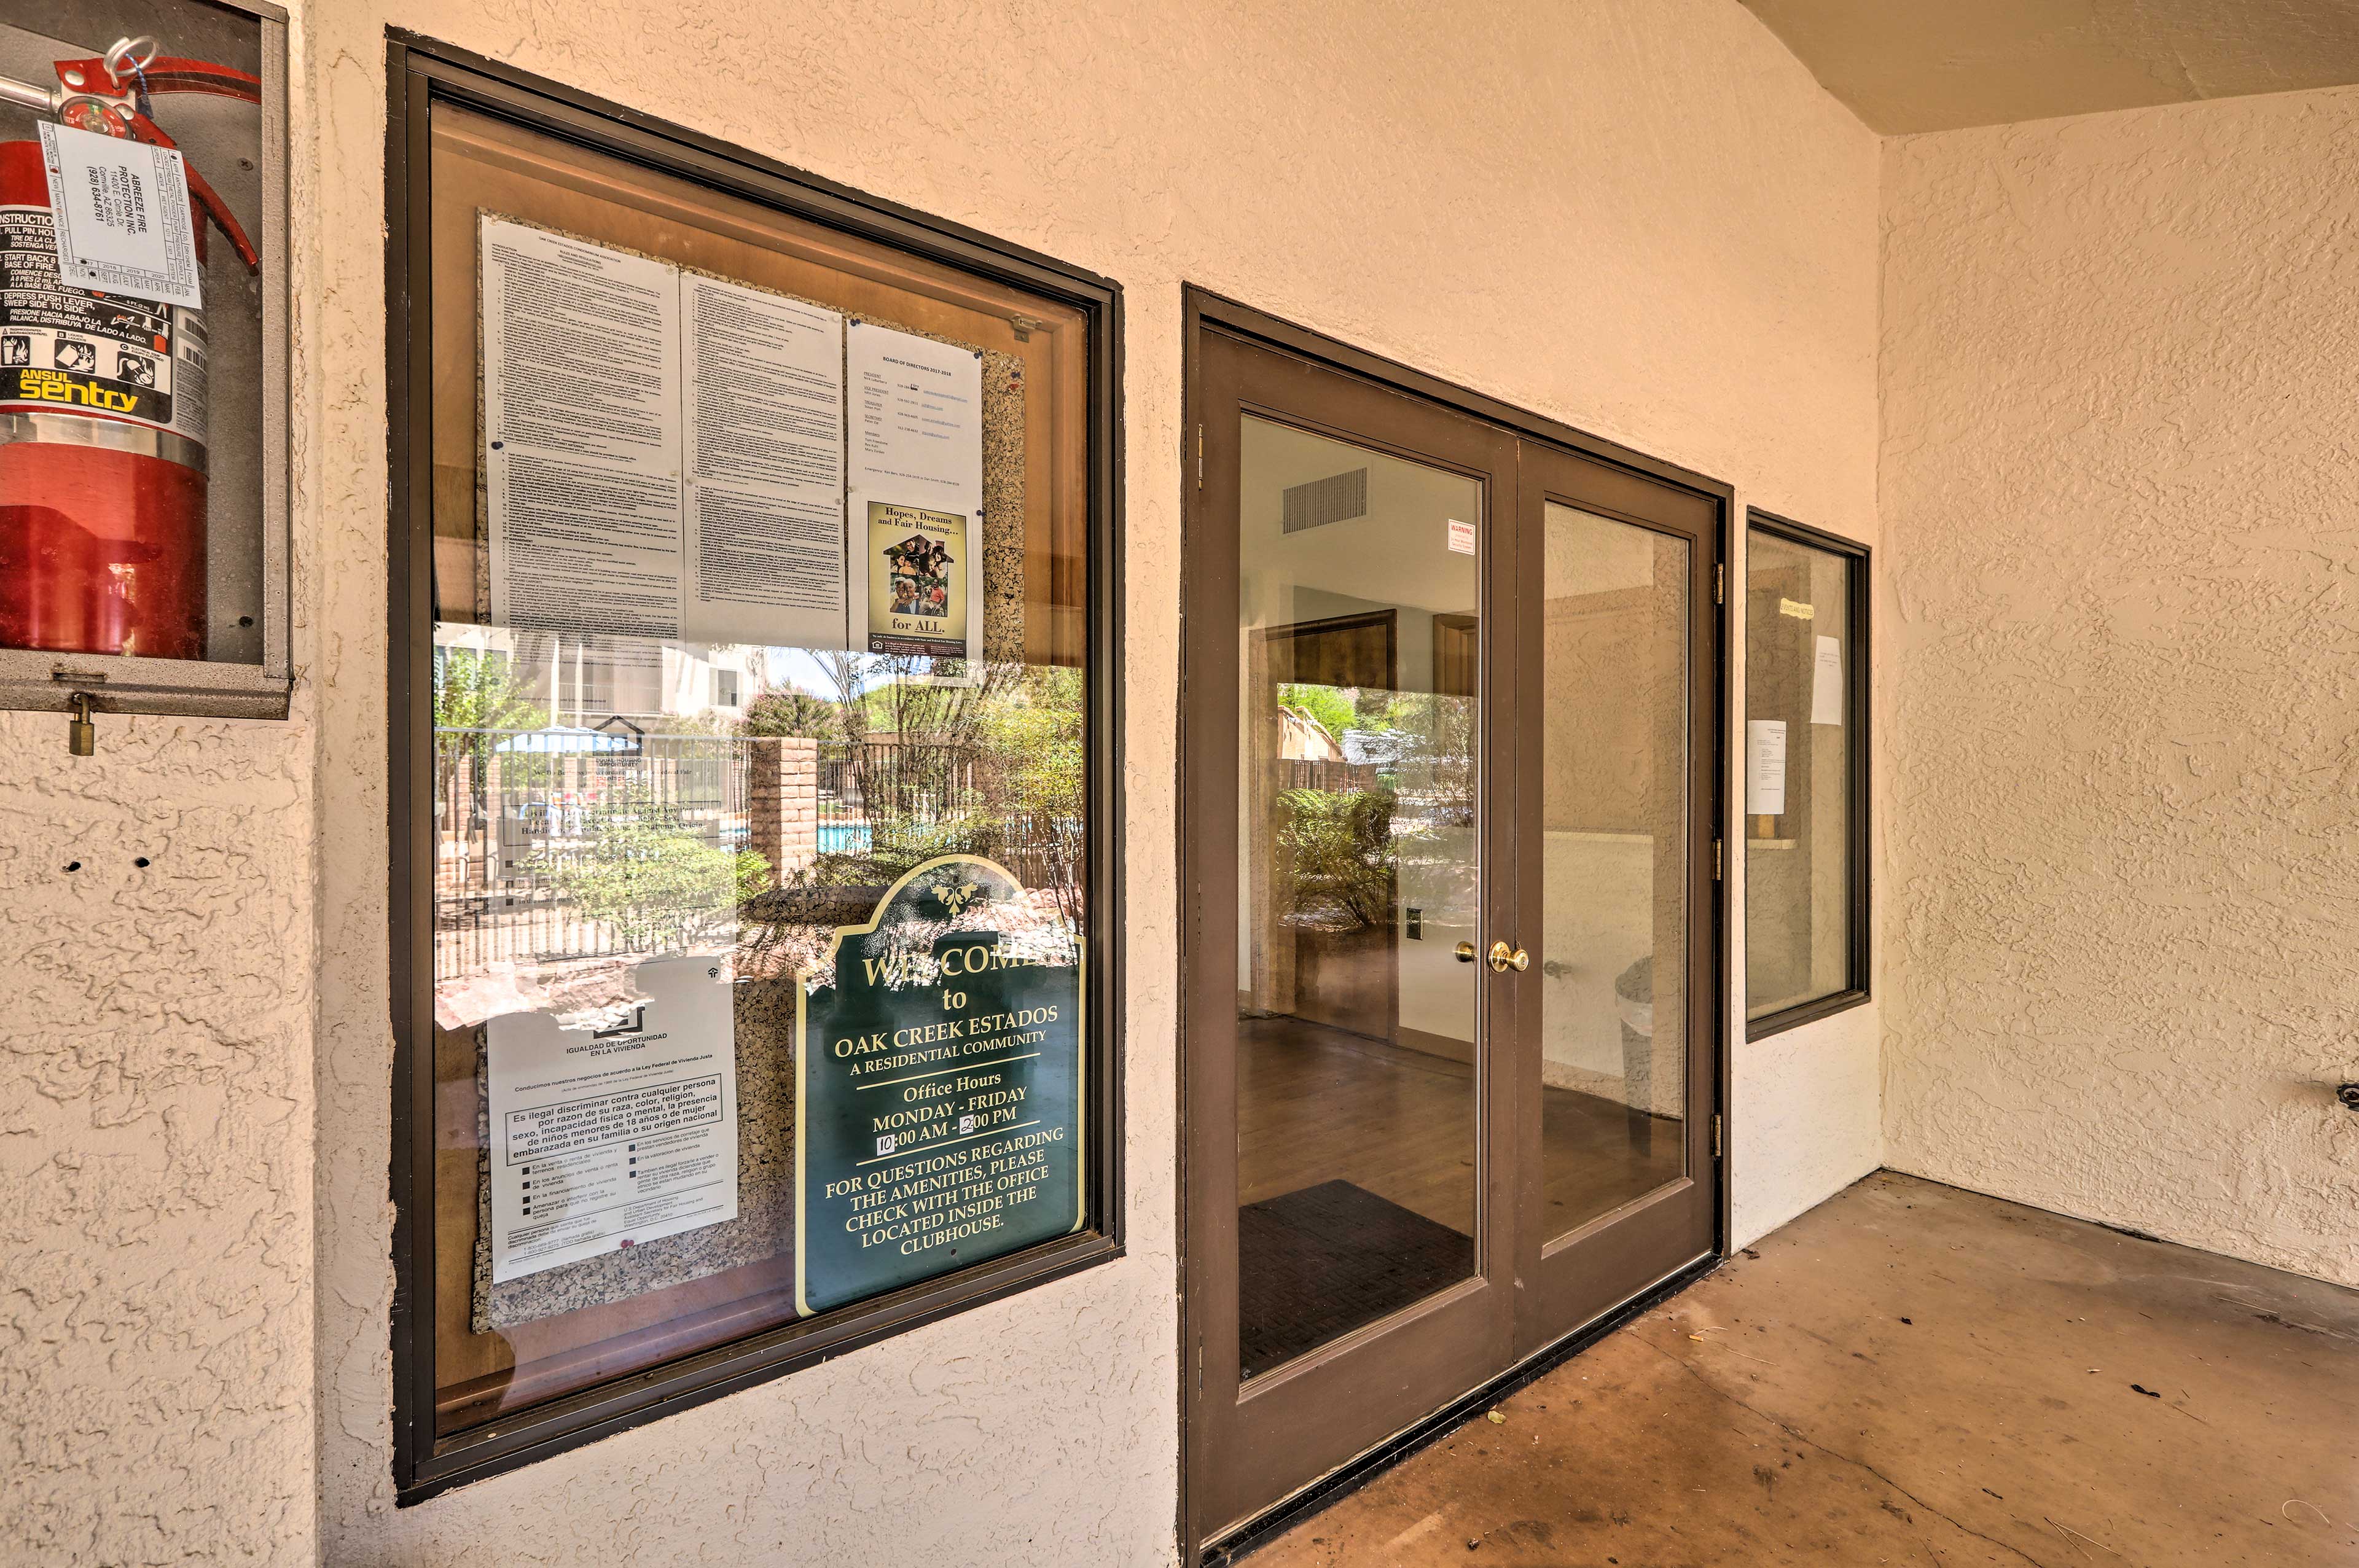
<point>1917,1376</point>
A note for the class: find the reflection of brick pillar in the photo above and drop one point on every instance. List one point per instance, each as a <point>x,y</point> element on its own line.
<point>782,802</point>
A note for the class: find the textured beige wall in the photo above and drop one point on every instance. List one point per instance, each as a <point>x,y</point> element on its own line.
<point>1640,216</point>
<point>157,1311</point>
<point>2121,451</point>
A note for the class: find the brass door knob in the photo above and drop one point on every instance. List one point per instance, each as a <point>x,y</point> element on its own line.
<point>1504,957</point>
<point>1466,952</point>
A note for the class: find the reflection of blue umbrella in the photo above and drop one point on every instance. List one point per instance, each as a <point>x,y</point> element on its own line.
<point>566,739</point>
<point>1362,747</point>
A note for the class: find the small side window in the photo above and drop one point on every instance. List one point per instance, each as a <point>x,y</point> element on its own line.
<point>1805,834</point>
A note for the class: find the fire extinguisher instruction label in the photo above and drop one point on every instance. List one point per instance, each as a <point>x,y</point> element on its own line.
<point>64,348</point>
<point>123,217</point>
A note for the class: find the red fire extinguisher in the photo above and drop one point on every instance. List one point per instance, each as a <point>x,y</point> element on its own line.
<point>103,493</point>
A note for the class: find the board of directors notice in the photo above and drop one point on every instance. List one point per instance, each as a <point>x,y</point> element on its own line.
<point>664,452</point>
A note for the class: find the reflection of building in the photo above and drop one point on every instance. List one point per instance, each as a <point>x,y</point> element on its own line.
<point>1303,738</point>
<point>593,678</point>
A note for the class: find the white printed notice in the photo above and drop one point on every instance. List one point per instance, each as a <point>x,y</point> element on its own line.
<point>765,381</point>
<point>618,1128</point>
<point>1827,682</point>
<point>1765,766</point>
<point>916,493</point>
<point>581,434</point>
<point>122,216</point>
<point>663,451</point>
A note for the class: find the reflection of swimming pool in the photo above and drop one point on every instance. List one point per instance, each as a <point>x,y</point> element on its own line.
<point>843,838</point>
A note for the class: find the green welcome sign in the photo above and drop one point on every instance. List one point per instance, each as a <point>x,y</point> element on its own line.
<point>939,1104</point>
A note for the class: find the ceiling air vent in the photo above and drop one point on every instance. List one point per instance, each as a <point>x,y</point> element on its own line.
<point>1337,499</point>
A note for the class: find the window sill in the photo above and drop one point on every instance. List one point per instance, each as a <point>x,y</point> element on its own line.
<point>619,1404</point>
<point>1800,1013</point>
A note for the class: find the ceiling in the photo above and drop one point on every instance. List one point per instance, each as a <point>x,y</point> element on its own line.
<point>1934,65</point>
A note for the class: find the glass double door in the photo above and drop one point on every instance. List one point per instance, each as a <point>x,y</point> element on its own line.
<point>1451,1000</point>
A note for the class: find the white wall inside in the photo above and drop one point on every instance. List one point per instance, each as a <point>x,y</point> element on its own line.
<point>1599,905</point>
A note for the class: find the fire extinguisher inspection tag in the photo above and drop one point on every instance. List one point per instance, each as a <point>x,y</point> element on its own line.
<point>121,213</point>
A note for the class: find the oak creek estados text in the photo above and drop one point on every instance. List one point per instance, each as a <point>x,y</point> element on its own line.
<point>981,1027</point>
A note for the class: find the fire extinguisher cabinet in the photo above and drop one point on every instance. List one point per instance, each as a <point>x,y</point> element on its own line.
<point>143,357</point>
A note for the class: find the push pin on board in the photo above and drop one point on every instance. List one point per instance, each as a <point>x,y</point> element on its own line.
<point>81,735</point>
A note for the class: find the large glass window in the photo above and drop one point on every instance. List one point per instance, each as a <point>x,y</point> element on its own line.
<point>1614,862</point>
<point>1805,773</point>
<point>758,779</point>
<point>1358,887</point>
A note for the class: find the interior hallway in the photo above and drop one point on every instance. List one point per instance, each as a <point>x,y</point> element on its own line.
<point>1316,1104</point>
<point>1912,1375</point>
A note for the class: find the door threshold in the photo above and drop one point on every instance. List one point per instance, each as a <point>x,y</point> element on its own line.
<point>1346,1479</point>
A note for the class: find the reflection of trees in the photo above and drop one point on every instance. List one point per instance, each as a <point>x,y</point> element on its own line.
<point>787,710</point>
<point>1402,800</point>
<point>1333,706</point>
<point>475,693</point>
<point>997,769</point>
<point>1337,848</point>
<point>1038,767</point>
<point>1440,784</point>
<point>659,884</point>
<point>1435,762</point>
<point>914,744</point>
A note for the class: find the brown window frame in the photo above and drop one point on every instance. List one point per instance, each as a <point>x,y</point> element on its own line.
<point>1858,768</point>
<point>422,72</point>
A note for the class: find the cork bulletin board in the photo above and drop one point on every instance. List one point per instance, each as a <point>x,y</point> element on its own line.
<point>499,1345</point>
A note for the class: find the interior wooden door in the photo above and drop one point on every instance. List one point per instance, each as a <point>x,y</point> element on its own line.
<point>1350,1226</point>
<point>1617,802</point>
<point>1348,979</point>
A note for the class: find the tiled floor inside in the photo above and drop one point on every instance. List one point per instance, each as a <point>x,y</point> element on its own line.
<point>1916,1376</point>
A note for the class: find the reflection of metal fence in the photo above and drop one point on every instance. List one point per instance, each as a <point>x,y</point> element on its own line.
<point>510,807</point>
<point>516,811</point>
<point>903,793</point>
<point>920,784</point>
<point>1334,776</point>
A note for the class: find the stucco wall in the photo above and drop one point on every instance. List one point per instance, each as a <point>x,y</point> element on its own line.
<point>1640,216</point>
<point>155,1103</point>
<point>157,1312</point>
<point>2120,372</point>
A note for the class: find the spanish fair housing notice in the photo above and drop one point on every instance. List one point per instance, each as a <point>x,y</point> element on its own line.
<point>664,451</point>
<point>614,1128</point>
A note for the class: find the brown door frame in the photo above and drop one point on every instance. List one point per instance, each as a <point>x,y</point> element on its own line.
<point>1570,1281</point>
<point>1283,1430</point>
<point>1206,770</point>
